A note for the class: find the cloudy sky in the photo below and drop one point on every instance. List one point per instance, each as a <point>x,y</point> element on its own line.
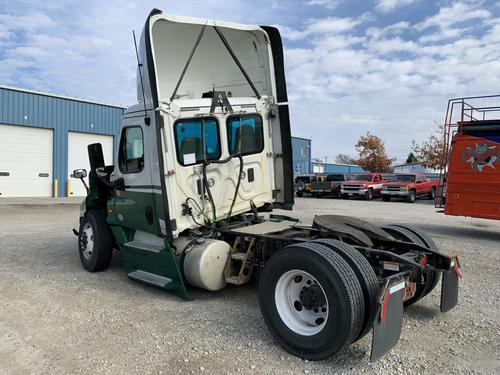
<point>384,66</point>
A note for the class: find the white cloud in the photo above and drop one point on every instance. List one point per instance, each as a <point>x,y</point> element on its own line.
<point>448,17</point>
<point>394,29</point>
<point>386,6</point>
<point>321,26</point>
<point>329,4</point>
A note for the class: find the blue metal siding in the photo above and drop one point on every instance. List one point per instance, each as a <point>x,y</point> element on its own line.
<point>301,150</point>
<point>342,168</point>
<point>62,115</point>
<point>411,168</point>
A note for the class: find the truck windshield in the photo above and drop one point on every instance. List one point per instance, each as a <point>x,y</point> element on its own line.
<point>335,177</point>
<point>303,179</point>
<point>403,178</point>
<point>189,140</point>
<point>362,177</point>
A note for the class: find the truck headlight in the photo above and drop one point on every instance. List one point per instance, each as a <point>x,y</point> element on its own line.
<point>403,188</point>
<point>384,187</point>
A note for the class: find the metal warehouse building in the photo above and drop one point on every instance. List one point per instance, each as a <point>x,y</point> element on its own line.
<point>323,167</point>
<point>301,150</point>
<point>44,137</point>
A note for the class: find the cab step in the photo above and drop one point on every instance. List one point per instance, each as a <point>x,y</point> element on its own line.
<point>150,278</point>
<point>142,246</point>
<point>238,256</point>
<point>235,280</point>
<point>241,263</point>
<point>149,259</point>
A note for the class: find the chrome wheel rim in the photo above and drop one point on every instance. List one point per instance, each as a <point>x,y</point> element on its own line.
<point>301,302</point>
<point>87,241</point>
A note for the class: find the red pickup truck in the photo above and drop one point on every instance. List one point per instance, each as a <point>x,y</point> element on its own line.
<point>409,186</point>
<point>366,185</point>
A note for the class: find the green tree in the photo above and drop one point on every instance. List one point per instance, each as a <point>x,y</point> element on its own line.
<point>411,158</point>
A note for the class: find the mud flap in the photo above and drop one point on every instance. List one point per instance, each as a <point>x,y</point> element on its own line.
<point>449,287</point>
<point>389,319</point>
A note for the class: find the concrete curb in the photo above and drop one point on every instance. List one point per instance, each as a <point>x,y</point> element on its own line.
<point>40,201</point>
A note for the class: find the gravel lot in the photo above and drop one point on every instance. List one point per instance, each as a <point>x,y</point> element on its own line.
<point>57,318</point>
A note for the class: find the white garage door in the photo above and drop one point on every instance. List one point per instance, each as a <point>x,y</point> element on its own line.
<point>25,161</point>
<point>78,157</point>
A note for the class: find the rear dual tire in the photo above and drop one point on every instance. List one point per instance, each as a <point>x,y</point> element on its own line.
<point>365,275</point>
<point>311,300</point>
<point>410,234</point>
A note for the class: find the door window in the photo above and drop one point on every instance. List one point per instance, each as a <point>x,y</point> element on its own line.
<point>197,140</point>
<point>131,155</point>
<point>245,134</point>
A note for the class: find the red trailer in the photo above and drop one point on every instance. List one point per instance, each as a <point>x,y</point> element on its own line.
<point>470,179</point>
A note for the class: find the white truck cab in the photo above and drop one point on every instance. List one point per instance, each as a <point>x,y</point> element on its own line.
<point>210,91</point>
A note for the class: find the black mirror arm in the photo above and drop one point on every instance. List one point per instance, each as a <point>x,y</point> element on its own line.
<point>85,184</point>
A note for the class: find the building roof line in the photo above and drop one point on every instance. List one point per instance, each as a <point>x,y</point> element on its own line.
<point>326,163</point>
<point>299,137</point>
<point>413,163</point>
<point>43,93</point>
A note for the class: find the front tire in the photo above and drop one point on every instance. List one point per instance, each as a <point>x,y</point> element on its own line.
<point>411,197</point>
<point>95,241</point>
<point>432,194</point>
<point>369,195</point>
<point>311,300</point>
<point>386,198</point>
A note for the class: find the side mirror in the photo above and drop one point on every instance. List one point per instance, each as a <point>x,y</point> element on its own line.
<point>80,173</point>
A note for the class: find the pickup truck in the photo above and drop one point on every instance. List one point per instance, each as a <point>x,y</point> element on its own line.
<point>330,185</point>
<point>367,185</point>
<point>303,185</point>
<point>409,186</point>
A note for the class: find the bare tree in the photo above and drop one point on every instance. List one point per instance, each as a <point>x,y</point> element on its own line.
<point>430,151</point>
<point>344,159</point>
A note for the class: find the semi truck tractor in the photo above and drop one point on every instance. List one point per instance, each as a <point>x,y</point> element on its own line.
<point>203,161</point>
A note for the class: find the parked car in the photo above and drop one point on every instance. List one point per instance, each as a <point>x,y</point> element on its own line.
<point>409,186</point>
<point>329,185</point>
<point>367,185</point>
<point>303,185</point>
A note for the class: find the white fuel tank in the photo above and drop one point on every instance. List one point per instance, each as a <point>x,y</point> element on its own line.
<point>204,264</point>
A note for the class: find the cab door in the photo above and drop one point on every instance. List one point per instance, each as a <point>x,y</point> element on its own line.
<point>134,204</point>
<point>377,183</point>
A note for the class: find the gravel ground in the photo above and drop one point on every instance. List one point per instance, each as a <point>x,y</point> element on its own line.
<point>57,318</point>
